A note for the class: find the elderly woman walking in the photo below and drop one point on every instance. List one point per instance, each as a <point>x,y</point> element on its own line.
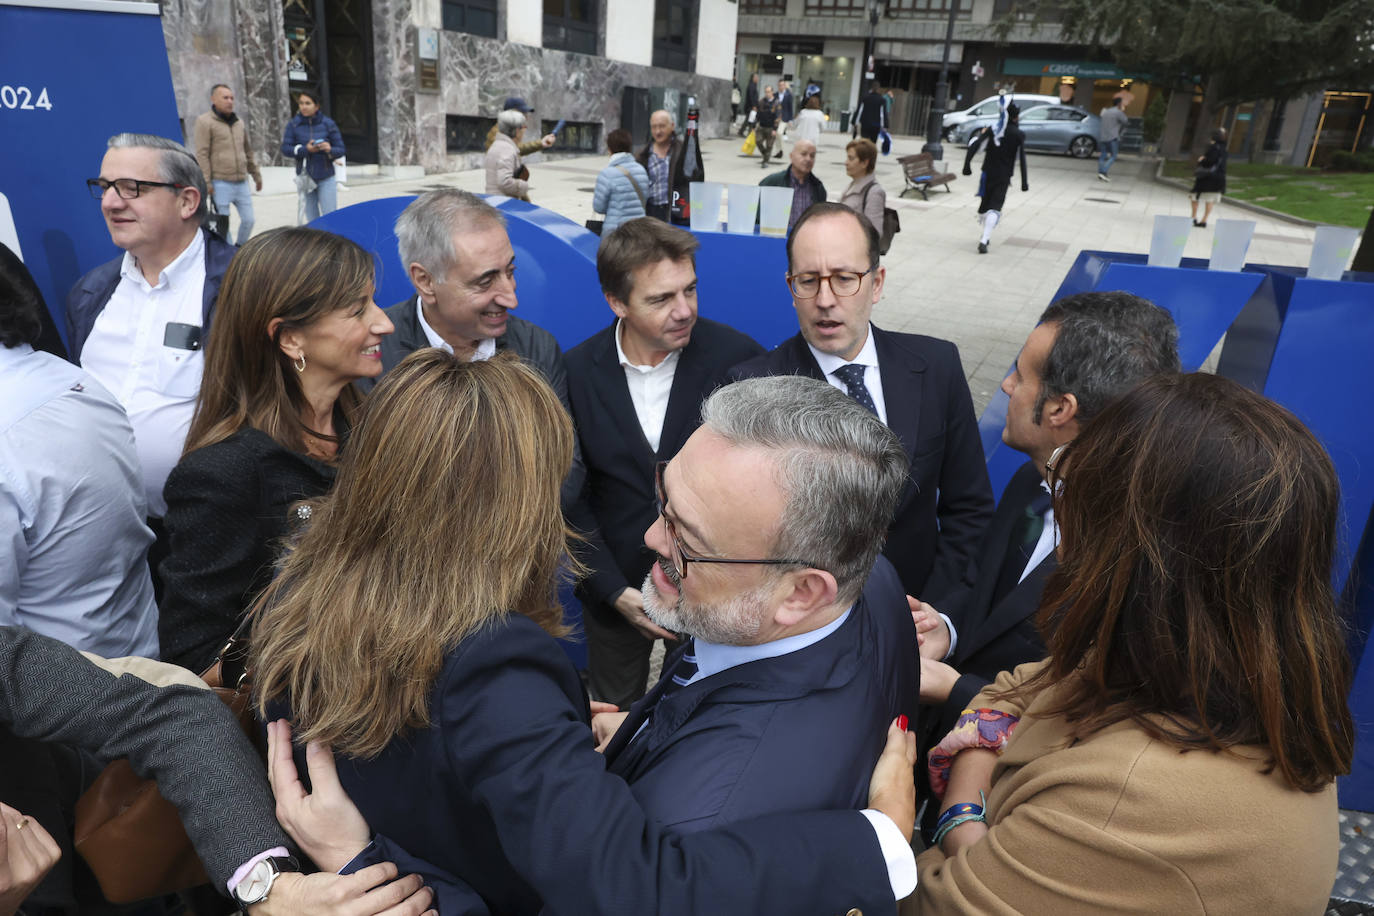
<point>504,165</point>
<point>623,186</point>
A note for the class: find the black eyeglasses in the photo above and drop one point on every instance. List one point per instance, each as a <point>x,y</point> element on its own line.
<point>127,188</point>
<point>681,557</point>
<point>843,283</point>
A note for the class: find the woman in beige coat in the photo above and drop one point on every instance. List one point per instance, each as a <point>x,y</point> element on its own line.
<point>503,161</point>
<point>1177,753</point>
<point>864,194</point>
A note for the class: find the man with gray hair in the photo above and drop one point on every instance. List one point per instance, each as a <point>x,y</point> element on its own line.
<point>771,519</point>
<point>455,248</point>
<point>1086,351</point>
<point>138,323</point>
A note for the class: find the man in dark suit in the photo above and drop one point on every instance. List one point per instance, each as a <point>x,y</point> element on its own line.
<point>460,260</point>
<point>913,383</point>
<point>636,388</point>
<point>771,519</point>
<point>1086,351</point>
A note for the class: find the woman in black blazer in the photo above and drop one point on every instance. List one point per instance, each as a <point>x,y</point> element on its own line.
<point>410,630</point>
<point>295,326</point>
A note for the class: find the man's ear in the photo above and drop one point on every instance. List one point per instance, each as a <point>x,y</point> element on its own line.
<point>1060,411</point>
<point>188,202</point>
<point>620,309</point>
<point>422,280</point>
<point>812,590</point>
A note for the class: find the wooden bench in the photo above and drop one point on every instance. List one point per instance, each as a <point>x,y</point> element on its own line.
<point>919,172</point>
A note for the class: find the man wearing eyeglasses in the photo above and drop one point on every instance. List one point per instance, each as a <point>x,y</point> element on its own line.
<point>138,323</point>
<point>800,643</point>
<point>913,383</point>
<point>636,389</point>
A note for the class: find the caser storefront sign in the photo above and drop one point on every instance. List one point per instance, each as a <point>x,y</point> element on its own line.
<point>1025,66</point>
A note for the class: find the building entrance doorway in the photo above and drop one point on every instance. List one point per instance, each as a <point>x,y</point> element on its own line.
<point>329,50</point>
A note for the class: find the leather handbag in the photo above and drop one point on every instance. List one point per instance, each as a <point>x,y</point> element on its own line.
<point>131,837</point>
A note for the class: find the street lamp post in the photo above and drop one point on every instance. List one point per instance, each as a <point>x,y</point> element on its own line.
<point>875,12</point>
<point>937,108</point>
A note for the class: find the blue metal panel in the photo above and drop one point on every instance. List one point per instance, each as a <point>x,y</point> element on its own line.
<point>742,282</point>
<point>77,77</point>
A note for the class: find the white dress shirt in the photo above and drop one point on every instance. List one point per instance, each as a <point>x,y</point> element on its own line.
<point>73,543</point>
<point>485,350</point>
<point>649,387</point>
<point>156,384</point>
<point>868,358</point>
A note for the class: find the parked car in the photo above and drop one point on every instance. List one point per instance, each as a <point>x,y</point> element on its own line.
<point>1051,129</point>
<point>985,112</point>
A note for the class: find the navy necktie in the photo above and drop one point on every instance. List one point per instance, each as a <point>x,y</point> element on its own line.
<point>1025,534</point>
<point>683,671</point>
<point>853,378</point>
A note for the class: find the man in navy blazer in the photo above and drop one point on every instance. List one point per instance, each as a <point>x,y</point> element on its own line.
<point>1086,351</point>
<point>636,389</point>
<point>913,383</point>
<point>801,648</point>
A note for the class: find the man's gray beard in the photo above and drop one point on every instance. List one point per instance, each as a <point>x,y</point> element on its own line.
<point>737,622</point>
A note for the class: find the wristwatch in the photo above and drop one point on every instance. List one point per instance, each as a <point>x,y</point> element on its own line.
<point>257,884</point>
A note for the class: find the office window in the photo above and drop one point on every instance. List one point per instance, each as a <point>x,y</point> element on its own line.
<point>915,9</point>
<point>675,31</point>
<point>763,7</point>
<point>467,134</point>
<point>570,25</point>
<point>477,17</point>
<point>583,136</point>
<point>836,8</point>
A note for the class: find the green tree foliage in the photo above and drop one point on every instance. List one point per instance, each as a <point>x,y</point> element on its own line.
<point>1240,49</point>
<point>1155,113</point>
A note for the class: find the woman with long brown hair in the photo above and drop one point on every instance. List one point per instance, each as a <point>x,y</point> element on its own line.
<point>1177,753</point>
<point>410,632</point>
<point>295,327</point>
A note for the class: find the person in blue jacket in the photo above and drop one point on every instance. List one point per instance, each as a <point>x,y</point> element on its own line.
<point>313,140</point>
<point>623,186</point>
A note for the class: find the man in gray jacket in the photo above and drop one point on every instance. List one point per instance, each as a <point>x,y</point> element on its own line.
<point>455,248</point>
<point>1114,121</point>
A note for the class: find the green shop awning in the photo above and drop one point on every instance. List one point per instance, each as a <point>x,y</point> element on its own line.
<point>1082,69</point>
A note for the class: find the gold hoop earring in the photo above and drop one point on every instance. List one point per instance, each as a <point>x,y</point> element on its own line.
<point>300,362</point>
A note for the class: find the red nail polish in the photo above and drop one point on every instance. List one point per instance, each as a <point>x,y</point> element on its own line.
<point>902,722</point>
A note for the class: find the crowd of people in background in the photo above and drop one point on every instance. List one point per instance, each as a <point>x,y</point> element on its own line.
<point>385,502</point>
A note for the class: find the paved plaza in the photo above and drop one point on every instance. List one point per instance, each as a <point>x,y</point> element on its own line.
<point>937,283</point>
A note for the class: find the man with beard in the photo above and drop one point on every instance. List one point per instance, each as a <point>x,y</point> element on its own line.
<point>799,637</point>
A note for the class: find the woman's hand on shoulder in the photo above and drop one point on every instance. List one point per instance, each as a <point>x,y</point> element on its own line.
<point>324,823</point>
<point>892,789</point>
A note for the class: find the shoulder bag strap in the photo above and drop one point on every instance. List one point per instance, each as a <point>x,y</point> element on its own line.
<point>638,194</point>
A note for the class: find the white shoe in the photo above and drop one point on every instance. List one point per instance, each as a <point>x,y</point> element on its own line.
<point>1102,177</point>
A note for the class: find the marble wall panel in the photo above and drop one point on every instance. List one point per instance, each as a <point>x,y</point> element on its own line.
<point>265,102</point>
<point>203,49</point>
<point>393,42</point>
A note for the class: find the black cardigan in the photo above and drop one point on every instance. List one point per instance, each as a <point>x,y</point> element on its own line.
<point>228,507</point>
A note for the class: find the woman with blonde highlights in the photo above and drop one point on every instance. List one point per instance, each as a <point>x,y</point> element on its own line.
<point>1177,753</point>
<point>295,326</point>
<point>409,635</point>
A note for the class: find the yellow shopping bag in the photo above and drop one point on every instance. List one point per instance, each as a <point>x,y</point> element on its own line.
<point>748,147</point>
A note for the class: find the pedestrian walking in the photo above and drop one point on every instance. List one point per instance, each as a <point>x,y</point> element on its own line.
<point>766,126</point>
<point>226,159</point>
<point>314,142</point>
<point>1005,144</point>
<point>1209,178</point>
<point>809,121</point>
<point>751,103</point>
<point>1113,120</point>
<point>622,188</point>
<point>871,117</point>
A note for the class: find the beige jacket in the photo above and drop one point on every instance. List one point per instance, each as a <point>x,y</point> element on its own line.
<point>853,198</point>
<point>1121,823</point>
<point>222,149</point>
<point>503,161</point>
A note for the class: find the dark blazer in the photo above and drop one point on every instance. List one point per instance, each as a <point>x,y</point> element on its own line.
<point>91,292</point>
<point>228,507</point>
<point>531,343</point>
<point>619,493</point>
<point>947,501</point>
<point>725,748</point>
<point>518,808</point>
<point>783,179</point>
<point>996,636</point>
<point>183,737</point>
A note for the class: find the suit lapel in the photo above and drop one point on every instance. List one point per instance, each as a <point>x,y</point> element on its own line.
<point>684,400</point>
<point>902,373</point>
<point>614,394</point>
